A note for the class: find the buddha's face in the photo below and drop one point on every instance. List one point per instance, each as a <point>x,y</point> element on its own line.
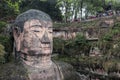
<point>36,38</point>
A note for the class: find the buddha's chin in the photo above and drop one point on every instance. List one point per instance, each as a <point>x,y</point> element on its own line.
<point>46,51</point>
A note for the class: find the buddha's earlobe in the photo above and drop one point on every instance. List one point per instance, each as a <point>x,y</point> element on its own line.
<point>18,38</point>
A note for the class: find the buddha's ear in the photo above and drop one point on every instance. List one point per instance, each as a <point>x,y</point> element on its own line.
<point>16,31</point>
<point>17,37</point>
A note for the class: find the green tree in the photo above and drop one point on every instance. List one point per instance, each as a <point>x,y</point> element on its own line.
<point>66,7</point>
<point>48,6</point>
<point>9,9</point>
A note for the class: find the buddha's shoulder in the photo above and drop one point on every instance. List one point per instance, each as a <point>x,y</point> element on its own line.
<point>64,65</point>
<point>12,71</point>
<point>67,71</point>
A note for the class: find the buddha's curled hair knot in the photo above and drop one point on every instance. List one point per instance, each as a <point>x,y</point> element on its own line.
<point>29,15</point>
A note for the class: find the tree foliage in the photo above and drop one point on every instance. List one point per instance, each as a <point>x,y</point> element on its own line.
<point>48,6</point>
<point>9,9</point>
<point>71,9</point>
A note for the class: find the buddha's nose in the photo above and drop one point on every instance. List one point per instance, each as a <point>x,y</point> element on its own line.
<point>45,38</point>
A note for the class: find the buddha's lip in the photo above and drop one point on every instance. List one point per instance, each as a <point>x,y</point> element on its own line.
<point>38,54</point>
<point>38,48</point>
<point>45,47</point>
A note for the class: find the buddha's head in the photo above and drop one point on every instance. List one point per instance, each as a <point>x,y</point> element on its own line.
<point>32,33</point>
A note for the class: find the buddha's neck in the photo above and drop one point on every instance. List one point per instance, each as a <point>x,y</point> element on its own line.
<point>38,62</point>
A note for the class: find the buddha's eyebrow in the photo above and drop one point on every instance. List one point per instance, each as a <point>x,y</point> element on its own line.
<point>49,27</point>
<point>36,25</point>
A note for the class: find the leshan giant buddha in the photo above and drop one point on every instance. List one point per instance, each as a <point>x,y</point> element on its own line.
<point>32,33</point>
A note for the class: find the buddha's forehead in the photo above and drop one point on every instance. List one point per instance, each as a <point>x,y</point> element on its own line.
<point>32,22</point>
<point>36,22</point>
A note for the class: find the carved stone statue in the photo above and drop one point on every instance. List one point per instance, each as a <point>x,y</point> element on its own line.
<point>32,33</point>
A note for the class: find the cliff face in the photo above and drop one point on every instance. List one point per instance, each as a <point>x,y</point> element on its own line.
<point>92,29</point>
<point>100,55</point>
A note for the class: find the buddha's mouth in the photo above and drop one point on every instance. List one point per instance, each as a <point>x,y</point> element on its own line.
<point>46,48</point>
<point>30,55</point>
<point>35,53</point>
<point>40,48</point>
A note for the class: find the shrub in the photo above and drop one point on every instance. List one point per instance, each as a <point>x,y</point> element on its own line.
<point>2,54</point>
<point>6,41</point>
<point>2,25</point>
<point>58,45</point>
<point>107,37</point>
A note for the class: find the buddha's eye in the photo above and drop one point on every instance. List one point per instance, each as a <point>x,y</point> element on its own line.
<point>36,30</point>
<point>36,26</point>
<point>50,30</point>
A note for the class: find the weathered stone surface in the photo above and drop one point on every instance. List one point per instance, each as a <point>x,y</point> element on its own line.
<point>32,32</point>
